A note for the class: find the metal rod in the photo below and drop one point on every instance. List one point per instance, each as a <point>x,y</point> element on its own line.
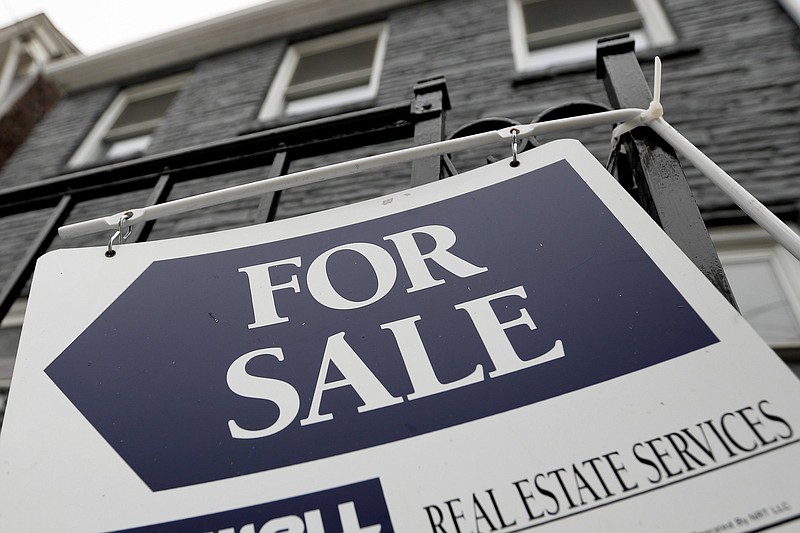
<point>746,201</point>
<point>649,168</point>
<point>25,266</point>
<point>316,175</point>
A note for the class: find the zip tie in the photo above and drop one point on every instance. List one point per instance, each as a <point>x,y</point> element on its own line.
<point>653,112</point>
<point>760,214</point>
<point>757,211</point>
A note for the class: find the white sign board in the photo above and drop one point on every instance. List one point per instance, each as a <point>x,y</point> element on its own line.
<point>509,349</point>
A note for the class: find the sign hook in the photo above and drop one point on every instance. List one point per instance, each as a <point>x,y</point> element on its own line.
<point>122,233</point>
<point>514,147</point>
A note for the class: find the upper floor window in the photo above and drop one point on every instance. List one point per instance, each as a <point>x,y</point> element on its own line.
<point>126,128</point>
<point>334,70</point>
<point>793,8</point>
<point>545,33</point>
<point>20,59</point>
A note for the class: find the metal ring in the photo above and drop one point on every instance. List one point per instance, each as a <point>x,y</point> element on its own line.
<point>123,233</point>
<point>514,147</point>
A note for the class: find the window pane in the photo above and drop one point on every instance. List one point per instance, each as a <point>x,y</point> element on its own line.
<point>325,100</point>
<point>553,22</point>
<point>330,63</point>
<point>125,147</point>
<point>549,14</point>
<point>144,110</point>
<point>763,301</point>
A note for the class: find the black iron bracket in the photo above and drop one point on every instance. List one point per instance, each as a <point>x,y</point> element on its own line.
<point>648,168</point>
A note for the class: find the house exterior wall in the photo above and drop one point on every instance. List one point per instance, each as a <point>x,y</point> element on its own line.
<point>22,115</point>
<point>731,84</point>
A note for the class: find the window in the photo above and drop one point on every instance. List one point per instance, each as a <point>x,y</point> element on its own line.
<point>338,69</point>
<point>792,7</point>
<point>19,60</point>
<point>127,126</point>
<point>765,280</point>
<point>551,32</point>
<point>10,329</point>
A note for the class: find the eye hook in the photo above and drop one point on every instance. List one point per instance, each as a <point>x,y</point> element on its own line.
<point>122,233</point>
<point>514,147</point>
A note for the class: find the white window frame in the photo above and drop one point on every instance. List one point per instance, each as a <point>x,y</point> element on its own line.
<point>15,315</point>
<point>275,102</point>
<point>752,244</point>
<point>12,70</point>
<point>793,8</point>
<point>12,320</point>
<point>87,152</point>
<point>657,32</point>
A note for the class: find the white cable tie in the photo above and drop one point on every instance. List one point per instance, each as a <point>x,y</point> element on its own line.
<point>757,211</point>
<point>653,112</point>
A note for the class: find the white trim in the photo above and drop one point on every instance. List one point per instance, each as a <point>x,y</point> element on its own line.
<point>793,8</point>
<point>257,24</point>
<point>656,23</point>
<point>9,69</point>
<point>15,315</point>
<point>345,168</point>
<point>87,152</point>
<point>275,102</point>
<point>657,32</point>
<point>752,244</point>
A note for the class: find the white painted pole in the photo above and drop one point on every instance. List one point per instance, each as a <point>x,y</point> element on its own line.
<point>746,201</point>
<point>316,175</point>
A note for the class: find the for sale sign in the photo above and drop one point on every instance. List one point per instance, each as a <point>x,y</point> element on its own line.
<point>509,349</point>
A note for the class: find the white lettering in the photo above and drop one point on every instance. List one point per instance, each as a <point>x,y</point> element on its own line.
<point>279,392</point>
<point>310,523</point>
<point>248,528</point>
<point>262,289</point>
<point>492,333</point>
<point>284,524</point>
<point>313,520</point>
<point>414,260</point>
<point>320,285</point>
<point>356,375</point>
<point>415,357</point>
<point>350,524</point>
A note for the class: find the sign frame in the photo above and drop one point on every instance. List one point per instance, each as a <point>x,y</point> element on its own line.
<point>597,427</point>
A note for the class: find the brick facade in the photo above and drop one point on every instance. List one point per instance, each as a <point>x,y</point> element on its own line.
<point>731,84</point>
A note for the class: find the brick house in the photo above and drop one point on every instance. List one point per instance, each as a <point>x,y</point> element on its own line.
<point>26,95</point>
<point>731,84</point>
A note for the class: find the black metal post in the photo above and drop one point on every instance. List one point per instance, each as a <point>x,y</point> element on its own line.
<point>13,287</point>
<point>159,195</point>
<point>648,167</point>
<point>268,206</point>
<point>431,102</point>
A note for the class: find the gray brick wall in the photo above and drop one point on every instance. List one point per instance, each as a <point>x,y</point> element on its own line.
<point>56,137</point>
<point>220,99</point>
<point>731,84</point>
<point>737,95</point>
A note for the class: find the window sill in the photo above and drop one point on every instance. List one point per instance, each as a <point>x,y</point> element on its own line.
<point>789,352</point>
<point>589,65</point>
<point>87,165</point>
<point>287,120</point>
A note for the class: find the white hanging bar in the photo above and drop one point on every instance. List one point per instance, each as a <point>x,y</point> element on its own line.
<point>762,216</point>
<point>315,175</point>
<point>628,119</point>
